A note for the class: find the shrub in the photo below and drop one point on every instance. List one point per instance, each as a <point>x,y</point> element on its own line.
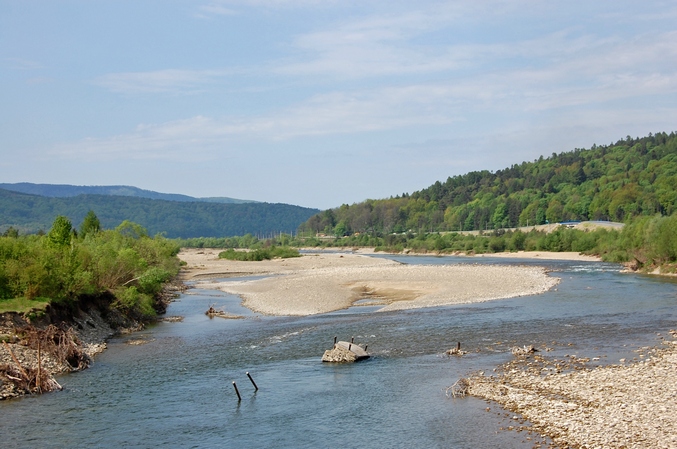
<point>131,301</point>
<point>282,252</point>
<point>152,280</point>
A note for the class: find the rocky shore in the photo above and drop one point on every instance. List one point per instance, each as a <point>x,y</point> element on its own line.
<point>614,406</point>
<point>64,348</point>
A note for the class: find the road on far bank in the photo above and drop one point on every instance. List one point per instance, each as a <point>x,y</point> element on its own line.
<point>580,225</point>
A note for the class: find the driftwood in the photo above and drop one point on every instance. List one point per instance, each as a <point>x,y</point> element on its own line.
<point>62,347</point>
<point>26,379</point>
<point>60,344</point>
<point>524,350</point>
<point>459,389</point>
<point>212,312</point>
<point>456,351</point>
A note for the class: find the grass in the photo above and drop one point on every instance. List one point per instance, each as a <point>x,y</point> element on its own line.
<point>23,305</point>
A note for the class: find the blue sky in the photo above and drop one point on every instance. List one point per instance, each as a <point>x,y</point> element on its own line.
<point>320,103</point>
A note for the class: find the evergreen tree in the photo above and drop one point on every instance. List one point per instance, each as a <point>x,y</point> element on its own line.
<point>90,225</point>
<point>61,232</point>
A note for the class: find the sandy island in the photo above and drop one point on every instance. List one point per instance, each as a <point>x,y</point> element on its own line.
<point>324,282</point>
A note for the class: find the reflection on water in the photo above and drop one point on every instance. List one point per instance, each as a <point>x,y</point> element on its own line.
<point>177,389</point>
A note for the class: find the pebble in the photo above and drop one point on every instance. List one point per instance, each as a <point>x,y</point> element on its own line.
<point>614,406</point>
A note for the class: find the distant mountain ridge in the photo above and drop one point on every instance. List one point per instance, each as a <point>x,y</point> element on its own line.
<point>30,213</point>
<point>67,190</point>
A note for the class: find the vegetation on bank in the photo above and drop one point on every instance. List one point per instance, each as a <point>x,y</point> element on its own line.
<point>272,252</point>
<point>645,243</point>
<point>66,264</point>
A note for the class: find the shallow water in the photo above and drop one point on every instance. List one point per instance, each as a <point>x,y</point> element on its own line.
<point>177,390</point>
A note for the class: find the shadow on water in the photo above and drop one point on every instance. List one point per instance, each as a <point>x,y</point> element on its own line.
<point>176,390</point>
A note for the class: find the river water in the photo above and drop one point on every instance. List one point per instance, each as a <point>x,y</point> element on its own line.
<point>176,390</point>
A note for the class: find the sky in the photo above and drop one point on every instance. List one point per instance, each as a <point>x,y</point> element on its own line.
<point>321,103</point>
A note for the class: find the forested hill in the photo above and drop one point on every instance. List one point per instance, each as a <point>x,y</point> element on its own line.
<point>615,182</point>
<point>32,213</point>
<point>66,190</point>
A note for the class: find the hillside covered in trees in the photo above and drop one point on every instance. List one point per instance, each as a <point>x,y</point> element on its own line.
<point>617,182</point>
<point>32,214</point>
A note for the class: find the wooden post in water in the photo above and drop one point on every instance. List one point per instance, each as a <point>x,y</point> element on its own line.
<point>334,339</point>
<point>365,348</point>
<point>458,345</point>
<point>252,380</point>
<point>239,398</point>
<point>352,339</point>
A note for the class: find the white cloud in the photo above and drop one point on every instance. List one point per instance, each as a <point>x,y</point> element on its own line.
<point>379,45</point>
<point>571,74</point>
<point>589,74</point>
<point>215,8</point>
<point>160,81</point>
<point>235,7</point>
<point>334,113</point>
<point>23,64</point>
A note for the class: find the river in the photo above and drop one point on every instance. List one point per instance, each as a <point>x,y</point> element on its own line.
<point>176,390</point>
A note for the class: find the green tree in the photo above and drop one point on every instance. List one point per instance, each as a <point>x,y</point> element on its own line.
<point>11,232</point>
<point>90,225</point>
<point>341,229</point>
<point>131,229</point>
<point>61,232</point>
<point>500,216</point>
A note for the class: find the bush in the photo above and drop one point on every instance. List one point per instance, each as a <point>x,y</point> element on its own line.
<point>152,280</point>
<point>497,244</point>
<point>282,252</point>
<point>131,301</point>
<point>62,268</point>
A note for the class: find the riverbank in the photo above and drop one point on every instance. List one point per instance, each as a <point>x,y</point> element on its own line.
<point>69,339</point>
<point>615,406</point>
<point>328,281</point>
<point>22,363</point>
<point>535,255</point>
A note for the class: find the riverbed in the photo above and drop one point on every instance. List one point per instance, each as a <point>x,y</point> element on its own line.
<point>175,388</point>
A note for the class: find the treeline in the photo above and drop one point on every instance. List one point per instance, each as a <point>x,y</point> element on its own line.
<point>66,264</point>
<point>33,214</point>
<point>646,243</point>
<point>616,182</point>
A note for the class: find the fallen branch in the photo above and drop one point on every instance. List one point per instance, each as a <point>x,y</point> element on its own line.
<point>11,353</point>
<point>524,350</point>
<point>459,389</point>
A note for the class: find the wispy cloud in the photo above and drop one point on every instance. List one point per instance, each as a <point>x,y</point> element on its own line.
<point>23,64</point>
<point>582,72</point>
<point>522,79</point>
<point>217,8</point>
<point>374,46</point>
<point>168,141</point>
<point>214,9</point>
<point>324,114</point>
<point>161,81</point>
